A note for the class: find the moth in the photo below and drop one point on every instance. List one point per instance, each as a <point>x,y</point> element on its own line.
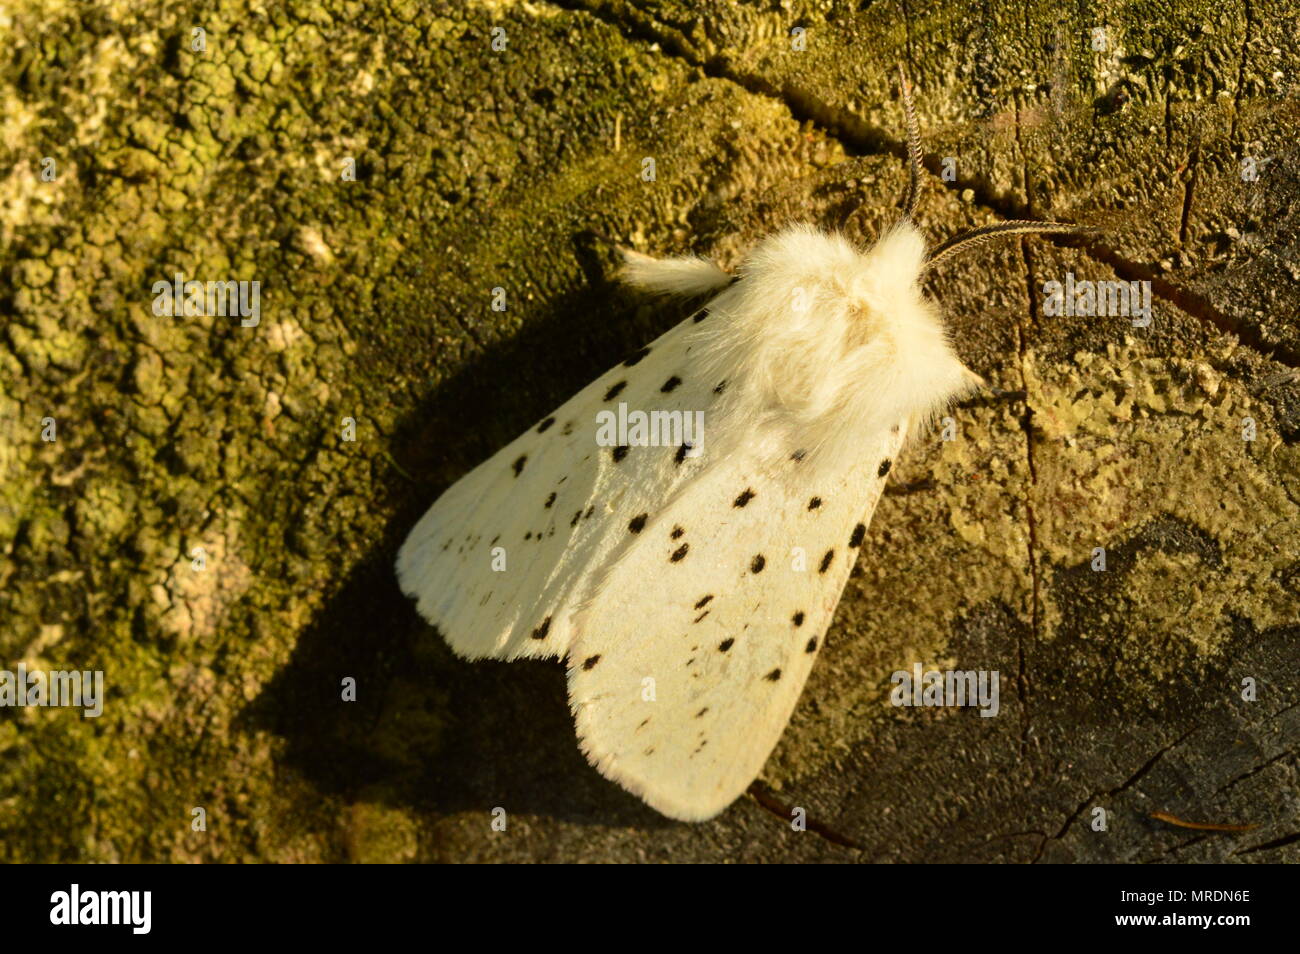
<point>689,585</point>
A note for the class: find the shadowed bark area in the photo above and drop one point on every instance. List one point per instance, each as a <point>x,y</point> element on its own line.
<point>204,530</point>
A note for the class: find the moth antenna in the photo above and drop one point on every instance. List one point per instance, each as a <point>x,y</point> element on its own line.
<point>913,192</point>
<point>1014,227</point>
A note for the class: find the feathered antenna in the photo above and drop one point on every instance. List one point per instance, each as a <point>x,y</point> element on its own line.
<point>913,192</point>
<point>973,236</point>
<point>1013,227</point>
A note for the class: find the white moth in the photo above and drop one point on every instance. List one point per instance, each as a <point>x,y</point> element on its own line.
<point>690,589</point>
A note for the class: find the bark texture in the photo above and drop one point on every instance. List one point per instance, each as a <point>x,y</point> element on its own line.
<point>477,168</point>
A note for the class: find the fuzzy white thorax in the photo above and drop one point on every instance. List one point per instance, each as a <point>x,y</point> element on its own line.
<point>822,345</point>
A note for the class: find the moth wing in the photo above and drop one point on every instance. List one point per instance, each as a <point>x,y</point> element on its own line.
<point>504,557</point>
<point>692,654</point>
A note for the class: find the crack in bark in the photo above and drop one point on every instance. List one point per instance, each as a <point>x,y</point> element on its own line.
<point>1123,786</point>
<point>1257,769</point>
<point>1188,191</point>
<point>1168,852</point>
<point>1271,845</point>
<point>1169,114</point>
<point>1241,74</point>
<point>1283,711</point>
<point>1026,427</point>
<point>1041,835</point>
<point>1197,306</point>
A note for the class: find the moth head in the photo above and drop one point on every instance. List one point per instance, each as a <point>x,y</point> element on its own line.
<point>895,338</point>
<point>889,288</point>
<point>828,342</point>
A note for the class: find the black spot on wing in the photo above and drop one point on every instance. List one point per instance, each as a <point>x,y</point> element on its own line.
<point>859,532</point>
<point>567,429</point>
<point>681,453</point>
<point>884,467</point>
<point>635,357</point>
<point>812,645</point>
<point>615,391</point>
<point>720,388</point>
<point>519,464</point>
<point>702,615</point>
<point>545,424</point>
<point>703,601</point>
<point>798,618</point>
<point>725,645</point>
<point>814,503</point>
<point>550,500</point>
<point>671,384</point>
<point>576,517</point>
<point>590,661</point>
<point>620,452</point>
<point>680,553</point>
<point>826,561</point>
<point>756,565</point>
<point>701,712</point>
<point>638,522</point>
<point>773,676</point>
<point>541,631</point>
<point>677,532</point>
<point>701,315</point>
<point>746,496</point>
<point>798,455</point>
